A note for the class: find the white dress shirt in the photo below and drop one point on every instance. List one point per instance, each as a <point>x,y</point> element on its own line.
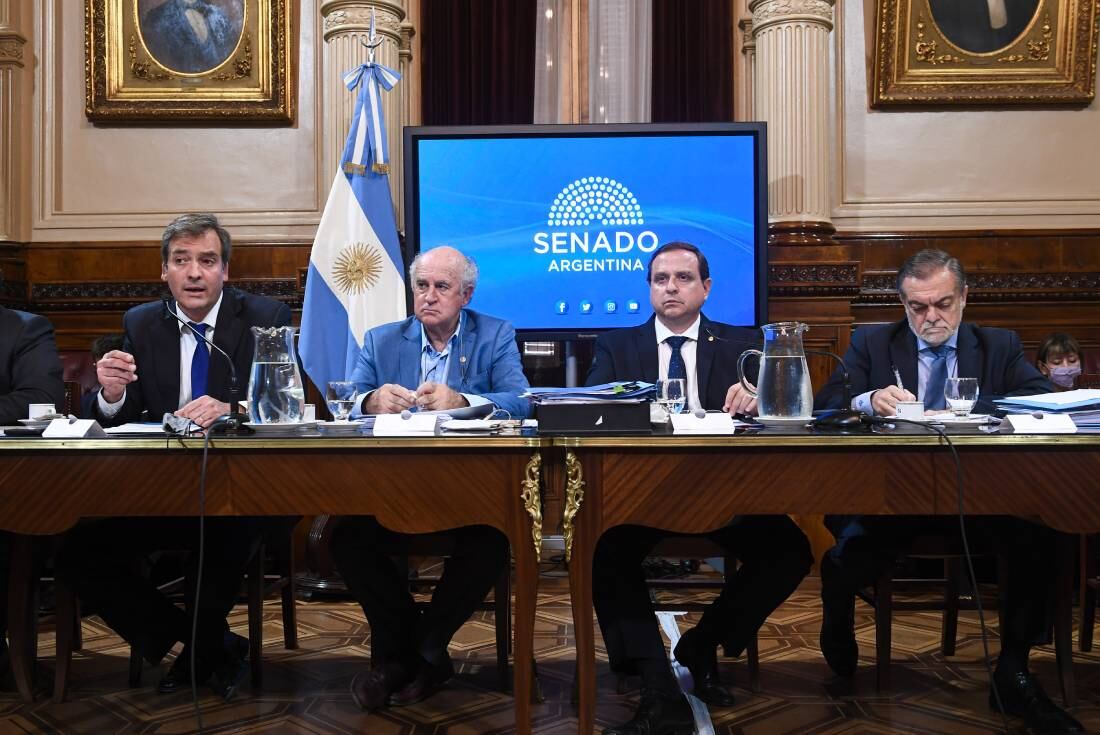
<point>188,343</point>
<point>687,351</point>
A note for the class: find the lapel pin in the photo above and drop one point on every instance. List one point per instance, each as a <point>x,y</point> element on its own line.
<point>462,359</point>
<point>710,338</point>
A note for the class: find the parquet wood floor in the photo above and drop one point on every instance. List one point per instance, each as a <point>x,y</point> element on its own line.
<point>306,691</point>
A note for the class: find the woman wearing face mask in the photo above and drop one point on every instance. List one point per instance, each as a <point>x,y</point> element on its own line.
<point>1060,358</point>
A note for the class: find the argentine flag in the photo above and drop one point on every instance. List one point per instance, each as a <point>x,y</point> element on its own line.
<point>355,278</point>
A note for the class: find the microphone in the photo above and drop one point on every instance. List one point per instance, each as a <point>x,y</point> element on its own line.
<point>233,422</point>
<point>841,420</point>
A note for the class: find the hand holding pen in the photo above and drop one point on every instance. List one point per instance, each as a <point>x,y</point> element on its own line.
<point>885,401</point>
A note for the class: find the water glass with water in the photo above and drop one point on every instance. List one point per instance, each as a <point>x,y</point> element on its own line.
<point>341,397</point>
<point>672,395</point>
<point>961,395</point>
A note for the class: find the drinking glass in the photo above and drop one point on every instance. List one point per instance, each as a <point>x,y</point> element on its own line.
<point>961,395</point>
<point>340,397</point>
<point>672,394</point>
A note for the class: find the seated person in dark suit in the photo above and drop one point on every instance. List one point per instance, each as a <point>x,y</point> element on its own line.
<point>163,368</point>
<point>931,344</point>
<point>680,342</point>
<point>100,347</point>
<point>30,372</point>
<point>444,357</point>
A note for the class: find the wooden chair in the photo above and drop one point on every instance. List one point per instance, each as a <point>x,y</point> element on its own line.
<point>881,598</point>
<point>258,584</point>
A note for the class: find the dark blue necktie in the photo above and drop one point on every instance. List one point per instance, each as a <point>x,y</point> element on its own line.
<point>200,363</point>
<point>676,366</point>
<point>937,377</point>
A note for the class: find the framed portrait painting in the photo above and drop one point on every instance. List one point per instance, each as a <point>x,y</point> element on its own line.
<point>984,52</point>
<point>181,60</point>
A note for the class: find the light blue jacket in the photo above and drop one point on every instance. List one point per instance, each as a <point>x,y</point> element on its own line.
<point>491,369</point>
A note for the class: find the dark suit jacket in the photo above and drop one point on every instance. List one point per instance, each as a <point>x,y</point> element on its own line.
<point>152,336</point>
<point>631,354</point>
<point>30,370</point>
<point>991,355</point>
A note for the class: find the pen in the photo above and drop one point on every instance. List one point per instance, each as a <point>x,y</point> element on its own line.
<point>897,377</point>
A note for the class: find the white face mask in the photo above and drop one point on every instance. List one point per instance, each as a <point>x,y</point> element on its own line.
<point>1064,376</point>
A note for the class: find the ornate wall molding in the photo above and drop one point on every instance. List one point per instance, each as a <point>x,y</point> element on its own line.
<point>11,48</point>
<point>879,287</point>
<point>813,279</point>
<point>95,296</point>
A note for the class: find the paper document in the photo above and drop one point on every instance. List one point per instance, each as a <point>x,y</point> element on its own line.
<point>152,429</point>
<point>713,422</point>
<point>1043,423</point>
<point>1061,401</point>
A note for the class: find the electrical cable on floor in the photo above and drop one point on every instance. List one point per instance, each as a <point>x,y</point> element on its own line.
<point>966,552</point>
<point>198,580</point>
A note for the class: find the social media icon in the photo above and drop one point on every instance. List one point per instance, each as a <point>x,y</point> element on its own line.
<point>561,307</point>
<point>586,307</point>
<point>632,306</point>
<point>610,306</point>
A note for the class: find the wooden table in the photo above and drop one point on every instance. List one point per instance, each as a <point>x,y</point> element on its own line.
<point>412,485</point>
<point>696,484</point>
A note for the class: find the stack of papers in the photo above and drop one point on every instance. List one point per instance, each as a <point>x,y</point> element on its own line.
<point>1065,402</point>
<point>632,391</point>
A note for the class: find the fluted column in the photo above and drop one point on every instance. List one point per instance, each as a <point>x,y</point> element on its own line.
<point>346,24</point>
<point>15,128</point>
<point>791,93</point>
<point>743,101</point>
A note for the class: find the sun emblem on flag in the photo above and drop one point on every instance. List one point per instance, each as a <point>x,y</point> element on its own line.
<point>357,268</point>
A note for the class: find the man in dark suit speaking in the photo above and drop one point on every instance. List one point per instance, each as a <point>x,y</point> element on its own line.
<point>679,341</point>
<point>30,372</point>
<point>888,364</point>
<point>164,367</point>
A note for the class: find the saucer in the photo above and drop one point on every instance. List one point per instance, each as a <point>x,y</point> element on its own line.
<point>783,420</point>
<point>283,429</point>
<point>36,423</point>
<point>340,428</point>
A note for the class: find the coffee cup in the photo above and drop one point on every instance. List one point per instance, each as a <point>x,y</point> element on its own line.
<point>38,410</point>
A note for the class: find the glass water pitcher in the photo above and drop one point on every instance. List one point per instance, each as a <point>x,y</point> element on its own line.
<point>276,394</point>
<point>783,387</point>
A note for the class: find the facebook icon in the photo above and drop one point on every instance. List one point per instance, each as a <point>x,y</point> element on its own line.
<point>561,307</point>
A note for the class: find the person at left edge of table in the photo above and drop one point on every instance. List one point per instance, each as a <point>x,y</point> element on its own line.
<point>30,372</point>
<point>680,341</point>
<point>445,357</point>
<point>164,368</point>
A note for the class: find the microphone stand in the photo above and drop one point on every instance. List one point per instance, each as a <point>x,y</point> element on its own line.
<point>845,420</point>
<point>232,424</point>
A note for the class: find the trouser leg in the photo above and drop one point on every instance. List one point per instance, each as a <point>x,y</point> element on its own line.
<point>775,556</point>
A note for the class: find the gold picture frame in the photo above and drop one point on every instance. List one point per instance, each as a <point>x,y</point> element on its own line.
<point>179,61</point>
<point>984,52</point>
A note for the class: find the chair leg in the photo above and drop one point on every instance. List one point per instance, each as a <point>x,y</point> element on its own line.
<point>289,598</point>
<point>68,627</point>
<point>1088,594</point>
<point>255,588</point>
<point>1063,617</point>
<point>884,604</point>
<point>136,663</point>
<point>502,613</point>
<point>23,613</point>
<point>752,654</point>
<point>952,572</point>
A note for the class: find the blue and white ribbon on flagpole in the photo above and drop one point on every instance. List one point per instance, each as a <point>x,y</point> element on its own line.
<point>369,149</point>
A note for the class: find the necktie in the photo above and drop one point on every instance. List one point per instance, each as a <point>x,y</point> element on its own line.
<point>937,377</point>
<point>676,366</point>
<point>200,363</point>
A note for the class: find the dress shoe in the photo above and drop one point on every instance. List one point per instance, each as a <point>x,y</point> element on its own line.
<point>838,621</point>
<point>659,713</point>
<point>1022,697</point>
<point>370,689</point>
<point>702,661</point>
<point>178,676</point>
<point>427,681</point>
<point>228,676</point>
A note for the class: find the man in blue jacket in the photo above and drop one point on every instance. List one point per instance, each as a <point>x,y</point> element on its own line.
<point>911,360</point>
<point>445,357</point>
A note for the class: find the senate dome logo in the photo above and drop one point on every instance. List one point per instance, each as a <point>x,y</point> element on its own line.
<point>595,198</point>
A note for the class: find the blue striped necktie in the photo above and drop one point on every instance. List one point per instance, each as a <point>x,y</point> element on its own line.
<point>937,378</point>
<point>200,363</point>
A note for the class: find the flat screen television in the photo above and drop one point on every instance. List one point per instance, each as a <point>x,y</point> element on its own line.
<point>562,219</point>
